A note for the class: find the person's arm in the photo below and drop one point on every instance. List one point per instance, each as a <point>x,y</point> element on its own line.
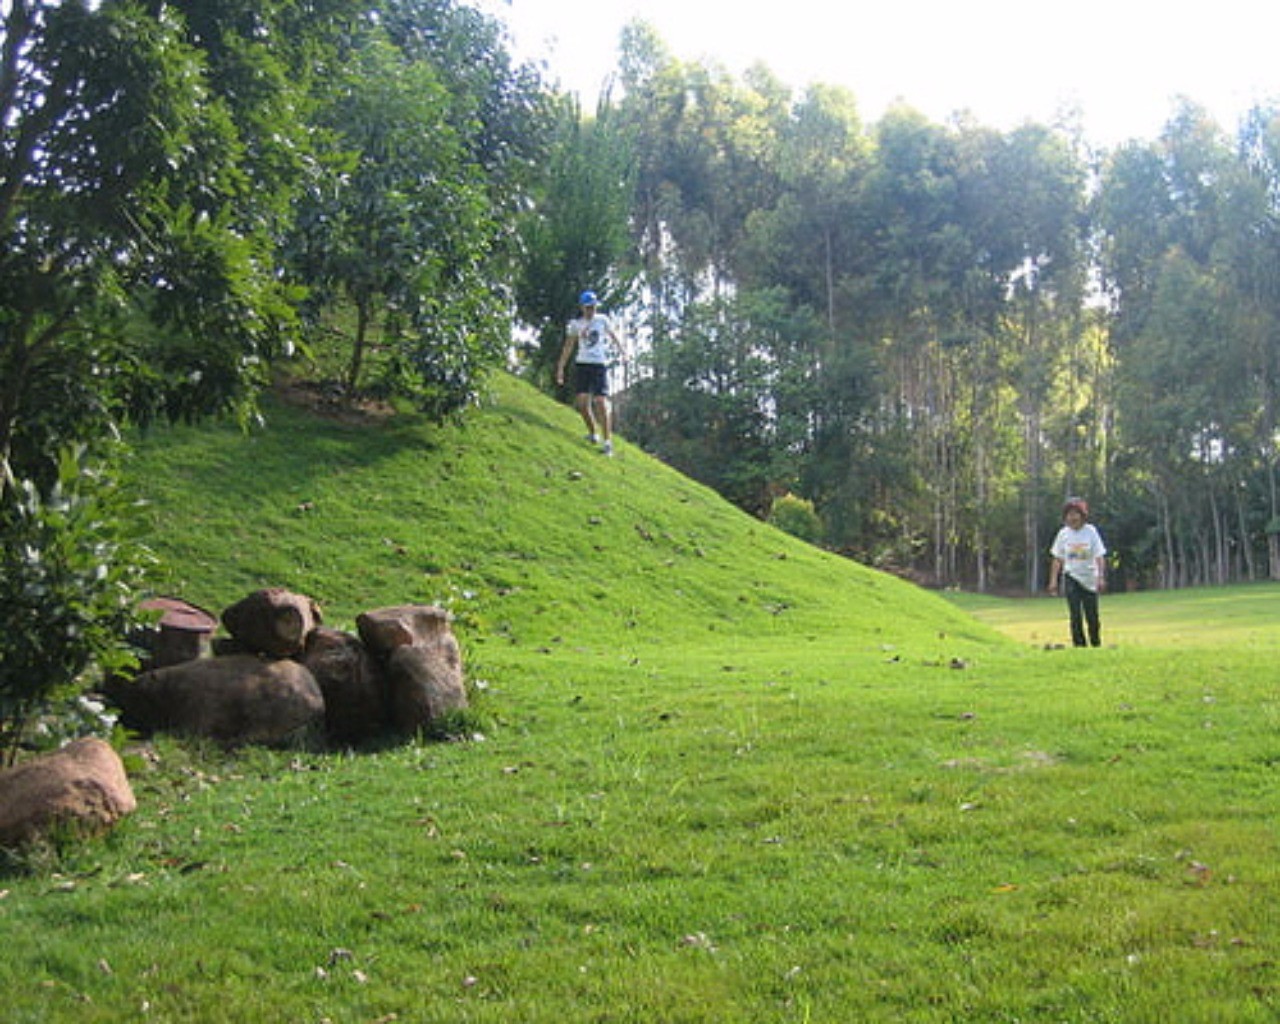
<point>570,339</point>
<point>1055,570</point>
<point>1100,567</point>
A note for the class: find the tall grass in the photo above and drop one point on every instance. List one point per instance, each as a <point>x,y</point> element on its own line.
<point>723,776</point>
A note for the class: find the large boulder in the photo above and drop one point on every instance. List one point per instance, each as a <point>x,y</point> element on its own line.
<point>236,699</point>
<point>409,625</point>
<point>353,684</point>
<point>423,659</point>
<point>425,683</point>
<point>81,788</point>
<point>274,622</point>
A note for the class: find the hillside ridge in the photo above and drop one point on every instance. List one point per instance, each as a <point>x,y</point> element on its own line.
<point>509,518</point>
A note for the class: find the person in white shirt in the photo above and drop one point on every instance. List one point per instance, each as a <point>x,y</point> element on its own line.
<point>593,336</point>
<point>1079,560</point>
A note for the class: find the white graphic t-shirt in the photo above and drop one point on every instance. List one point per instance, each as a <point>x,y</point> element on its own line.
<point>1080,550</point>
<point>593,339</point>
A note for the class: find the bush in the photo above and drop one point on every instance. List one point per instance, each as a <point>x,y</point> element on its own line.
<point>68,578</point>
<point>797,517</point>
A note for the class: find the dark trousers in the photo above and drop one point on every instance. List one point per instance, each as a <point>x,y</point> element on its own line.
<point>1082,603</point>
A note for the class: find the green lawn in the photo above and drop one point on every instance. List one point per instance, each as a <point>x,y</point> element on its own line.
<point>1238,617</point>
<point>722,777</point>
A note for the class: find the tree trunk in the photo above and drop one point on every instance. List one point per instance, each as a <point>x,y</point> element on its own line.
<point>363,318</point>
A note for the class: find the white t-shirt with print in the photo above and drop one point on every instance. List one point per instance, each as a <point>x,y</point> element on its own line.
<point>593,339</point>
<point>1079,551</point>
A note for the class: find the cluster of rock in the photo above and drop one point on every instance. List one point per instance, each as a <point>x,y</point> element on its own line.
<point>279,675</point>
<point>281,672</point>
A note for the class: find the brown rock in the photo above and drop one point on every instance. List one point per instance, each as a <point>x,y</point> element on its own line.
<point>82,787</point>
<point>411,625</point>
<point>274,622</point>
<point>425,682</point>
<point>353,684</point>
<point>237,699</point>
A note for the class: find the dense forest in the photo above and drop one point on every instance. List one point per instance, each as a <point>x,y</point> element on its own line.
<point>935,333</point>
<point>923,336</point>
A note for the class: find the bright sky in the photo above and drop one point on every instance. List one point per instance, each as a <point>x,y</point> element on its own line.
<point>1121,62</point>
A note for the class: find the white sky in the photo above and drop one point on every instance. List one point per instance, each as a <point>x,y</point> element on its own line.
<point>1121,62</point>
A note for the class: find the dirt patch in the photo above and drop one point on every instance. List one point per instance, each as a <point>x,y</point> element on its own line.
<point>332,401</point>
<point>1030,760</point>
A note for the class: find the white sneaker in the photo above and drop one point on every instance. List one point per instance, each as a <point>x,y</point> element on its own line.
<point>592,439</point>
<point>607,448</point>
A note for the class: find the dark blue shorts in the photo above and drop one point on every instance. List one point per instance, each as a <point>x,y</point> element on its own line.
<point>591,379</point>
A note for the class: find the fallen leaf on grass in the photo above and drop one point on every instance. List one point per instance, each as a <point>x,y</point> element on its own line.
<point>698,940</point>
<point>1201,874</point>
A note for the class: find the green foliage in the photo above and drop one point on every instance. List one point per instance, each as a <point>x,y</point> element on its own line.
<point>133,193</point>
<point>731,395</point>
<point>70,569</point>
<point>796,516</point>
<point>576,234</point>
<point>400,229</point>
<point>408,219</point>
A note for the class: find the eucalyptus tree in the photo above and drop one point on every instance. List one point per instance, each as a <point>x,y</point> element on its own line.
<point>1254,232</point>
<point>807,240</point>
<point>576,233</point>
<point>1177,413</point>
<point>1037,260</point>
<point>914,304</point>
<point>1194,383</point>
<point>728,404</point>
<point>814,242</point>
<point>705,149</point>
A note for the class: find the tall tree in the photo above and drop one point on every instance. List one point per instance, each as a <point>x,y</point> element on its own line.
<point>729,396</point>
<point>147,152</point>
<point>577,233</point>
<point>400,230</point>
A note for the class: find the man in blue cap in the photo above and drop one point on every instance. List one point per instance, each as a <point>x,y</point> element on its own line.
<point>595,340</point>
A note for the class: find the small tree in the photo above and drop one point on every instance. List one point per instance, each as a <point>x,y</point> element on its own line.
<point>128,198</point>
<point>146,155</point>
<point>797,517</point>
<point>67,578</point>
<point>400,230</point>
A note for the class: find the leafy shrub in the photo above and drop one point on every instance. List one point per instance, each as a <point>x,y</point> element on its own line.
<point>797,517</point>
<point>68,576</point>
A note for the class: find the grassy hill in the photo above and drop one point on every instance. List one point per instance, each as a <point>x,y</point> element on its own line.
<point>722,777</point>
<point>525,531</point>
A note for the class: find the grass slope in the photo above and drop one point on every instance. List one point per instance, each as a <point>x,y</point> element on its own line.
<point>725,777</point>
<point>526,532</point>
